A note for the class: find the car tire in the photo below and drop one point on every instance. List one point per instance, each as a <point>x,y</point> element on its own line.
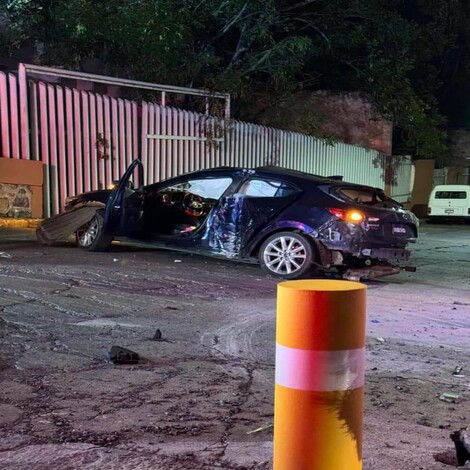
<point>91,236</point>
<point>288,255</point>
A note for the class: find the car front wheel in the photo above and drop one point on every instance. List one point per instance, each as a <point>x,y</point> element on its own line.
<point>287,255</point>
<point>91,236</point>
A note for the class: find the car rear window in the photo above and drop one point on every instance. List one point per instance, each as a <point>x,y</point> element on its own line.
<point>451,195</point>
<point>366,196</point>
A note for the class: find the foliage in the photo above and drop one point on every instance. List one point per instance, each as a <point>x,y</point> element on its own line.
<point>409,57</point>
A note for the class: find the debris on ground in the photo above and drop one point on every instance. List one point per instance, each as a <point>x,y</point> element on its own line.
<point>120,355</point>
<point>458,372</point>
<point>4,254</point>
<point>380,340</point>
<point>462,445</point>
<point>449,397</point>
<point>60,227</point>
<point>157,336</point>
<point>261,428</point>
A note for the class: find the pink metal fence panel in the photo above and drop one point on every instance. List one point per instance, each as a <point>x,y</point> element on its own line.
<point>53,173</point>
<point>5,145</point>
<point>23,108</point>
<point>70,152</point>
<point>13,116</point>
<point>63,189</point>
<point>107,155</point>
<point>85,140</point>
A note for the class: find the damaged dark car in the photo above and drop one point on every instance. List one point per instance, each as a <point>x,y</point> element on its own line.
<point>292,223</point>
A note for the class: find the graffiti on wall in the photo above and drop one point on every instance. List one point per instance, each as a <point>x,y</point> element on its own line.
<point>15,200</point>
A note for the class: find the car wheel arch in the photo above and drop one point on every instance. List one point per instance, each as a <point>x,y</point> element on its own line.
<point>321,251</point>
<point>100,241</point>
<point>288,264</point>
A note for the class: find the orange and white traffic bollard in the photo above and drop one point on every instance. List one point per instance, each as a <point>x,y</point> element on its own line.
<point>319,394</point>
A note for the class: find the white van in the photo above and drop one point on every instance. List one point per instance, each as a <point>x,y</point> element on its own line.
<point>449,202</point>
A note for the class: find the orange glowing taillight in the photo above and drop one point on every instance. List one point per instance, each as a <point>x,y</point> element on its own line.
<point>352,215</point>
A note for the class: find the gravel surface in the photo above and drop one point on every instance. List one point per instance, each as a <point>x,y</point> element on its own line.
<point>202,396</point>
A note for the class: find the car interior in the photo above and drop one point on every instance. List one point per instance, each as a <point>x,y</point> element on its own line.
<point>181,208</point>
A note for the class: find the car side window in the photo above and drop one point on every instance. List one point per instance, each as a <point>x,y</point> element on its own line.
<point>208,188</point>
<point>266,188</point>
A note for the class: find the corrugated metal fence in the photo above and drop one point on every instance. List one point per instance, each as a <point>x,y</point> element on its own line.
<point>86,141</point>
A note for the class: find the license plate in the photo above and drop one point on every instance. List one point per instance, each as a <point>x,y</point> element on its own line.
<point>449,211</point>
<point>398,230</point>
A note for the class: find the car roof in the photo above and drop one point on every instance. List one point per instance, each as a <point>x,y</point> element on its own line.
<point>263,171</point>
<point>299,178</point>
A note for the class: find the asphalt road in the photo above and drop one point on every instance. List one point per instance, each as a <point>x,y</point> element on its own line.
<point>203,396</point>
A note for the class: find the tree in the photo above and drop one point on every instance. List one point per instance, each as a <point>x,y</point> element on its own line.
<point>405,55</point>
<point>227,44</point>
<point>373,47</point>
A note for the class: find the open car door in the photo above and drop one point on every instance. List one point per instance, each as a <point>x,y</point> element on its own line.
<point>124,206</point>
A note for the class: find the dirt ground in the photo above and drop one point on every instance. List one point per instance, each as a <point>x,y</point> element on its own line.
<point>202,396</point>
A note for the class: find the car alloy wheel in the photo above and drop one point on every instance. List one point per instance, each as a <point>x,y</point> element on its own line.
<point>88,233</point>
<point>91,236</point>
<point>287,255</point>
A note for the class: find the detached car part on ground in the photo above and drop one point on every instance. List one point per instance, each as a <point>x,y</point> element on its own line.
<point>291,223</point>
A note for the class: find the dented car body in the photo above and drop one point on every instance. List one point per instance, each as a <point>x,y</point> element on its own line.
<point>292,223</point>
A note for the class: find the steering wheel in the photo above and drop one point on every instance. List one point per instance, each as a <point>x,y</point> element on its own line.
<point>193,204</point>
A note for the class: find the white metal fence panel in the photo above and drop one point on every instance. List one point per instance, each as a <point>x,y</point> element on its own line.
<point>86,140</point>
<point>175,141</point>
<point>402,176</point>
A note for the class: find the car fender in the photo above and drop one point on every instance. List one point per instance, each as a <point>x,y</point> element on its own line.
<point>60,227</point>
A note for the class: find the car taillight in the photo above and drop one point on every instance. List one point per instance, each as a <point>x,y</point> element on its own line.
<point>352,215</point>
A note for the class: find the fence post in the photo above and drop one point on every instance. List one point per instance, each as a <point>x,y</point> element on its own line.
<point>319,392</point>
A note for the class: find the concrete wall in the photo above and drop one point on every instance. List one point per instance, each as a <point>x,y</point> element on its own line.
<point>21,188</point>
<point>346,117</point>
<point>352,118</point>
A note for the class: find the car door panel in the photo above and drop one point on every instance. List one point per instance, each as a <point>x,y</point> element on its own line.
<point>237,220</point>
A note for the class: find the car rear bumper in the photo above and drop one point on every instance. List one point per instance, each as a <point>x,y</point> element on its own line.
<point>448,218</point>
<point>386,254</point>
